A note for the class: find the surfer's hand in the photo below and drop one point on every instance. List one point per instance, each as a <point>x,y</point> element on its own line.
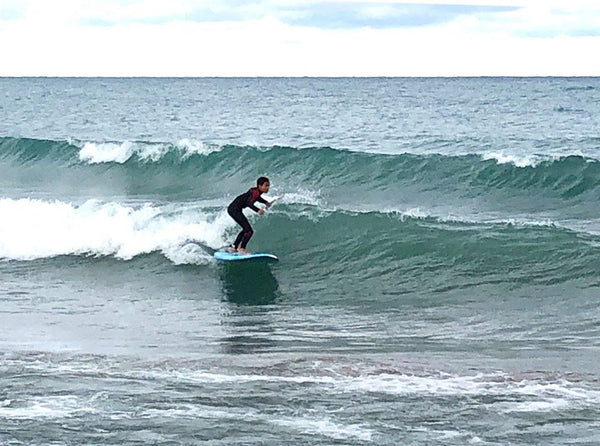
<point>261,211</point>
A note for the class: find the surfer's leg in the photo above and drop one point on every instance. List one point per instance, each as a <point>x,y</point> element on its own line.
<point>238,239</point>
<point>246,232</point>
<point>246,239</point>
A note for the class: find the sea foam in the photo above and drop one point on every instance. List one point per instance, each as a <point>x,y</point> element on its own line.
<point>36,229</point>
<point>121,152</point>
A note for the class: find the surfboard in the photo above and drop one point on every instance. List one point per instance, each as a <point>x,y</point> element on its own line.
<point>225,256</point>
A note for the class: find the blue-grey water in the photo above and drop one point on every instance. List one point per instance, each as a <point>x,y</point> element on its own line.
<point>438,283</point>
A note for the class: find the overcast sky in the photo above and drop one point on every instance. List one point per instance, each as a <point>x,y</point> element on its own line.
<point>299,38</point>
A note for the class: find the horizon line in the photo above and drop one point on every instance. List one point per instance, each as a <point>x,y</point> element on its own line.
<point>486,76</point>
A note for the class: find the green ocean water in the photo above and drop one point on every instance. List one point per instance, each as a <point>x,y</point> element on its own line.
<point>438,280</point>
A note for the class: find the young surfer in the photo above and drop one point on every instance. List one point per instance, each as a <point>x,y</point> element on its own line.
<point>234,210</point>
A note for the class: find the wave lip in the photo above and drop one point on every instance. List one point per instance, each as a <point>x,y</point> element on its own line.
<point>517,160</point>
<point>323,177</point>
<point>95,153</point>
<point>112,152</point>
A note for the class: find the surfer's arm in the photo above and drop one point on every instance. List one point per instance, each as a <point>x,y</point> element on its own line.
<point>263,201</point>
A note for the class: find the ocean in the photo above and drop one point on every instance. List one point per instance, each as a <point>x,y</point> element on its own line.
<point>438,282</point>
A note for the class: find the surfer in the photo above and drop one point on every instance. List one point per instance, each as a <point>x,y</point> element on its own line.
<point>247,199</point>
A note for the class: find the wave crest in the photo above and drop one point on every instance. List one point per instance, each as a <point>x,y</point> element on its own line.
<point>156,165</point>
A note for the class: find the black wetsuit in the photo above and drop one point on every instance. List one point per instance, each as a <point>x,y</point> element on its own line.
<point>245,200</point>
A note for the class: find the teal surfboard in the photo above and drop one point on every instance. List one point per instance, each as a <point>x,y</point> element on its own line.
<point>225,256</point>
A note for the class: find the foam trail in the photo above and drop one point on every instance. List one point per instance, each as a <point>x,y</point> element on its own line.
<point>36,229</point>
<point>326,427</point>
<point>61,406</point>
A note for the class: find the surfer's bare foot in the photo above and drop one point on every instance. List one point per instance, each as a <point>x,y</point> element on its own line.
<point>231,249</point>
<point>243,251</point>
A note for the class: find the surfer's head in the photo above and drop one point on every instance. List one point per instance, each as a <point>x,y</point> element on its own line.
<point>262,184</point>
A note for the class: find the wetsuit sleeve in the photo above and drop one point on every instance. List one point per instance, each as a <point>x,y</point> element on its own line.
<point>254,208</point>
<point>262,200</point>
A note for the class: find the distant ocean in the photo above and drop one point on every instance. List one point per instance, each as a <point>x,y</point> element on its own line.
<point>439,274</point>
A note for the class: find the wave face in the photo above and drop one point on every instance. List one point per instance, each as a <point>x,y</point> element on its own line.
<point>390,252</point>
<point>187,162</point>
<point>155,178</point>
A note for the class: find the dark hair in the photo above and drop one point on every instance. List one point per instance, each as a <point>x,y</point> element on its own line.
<point>262,180</point>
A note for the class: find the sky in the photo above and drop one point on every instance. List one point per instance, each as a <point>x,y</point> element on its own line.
<point>299,38</point>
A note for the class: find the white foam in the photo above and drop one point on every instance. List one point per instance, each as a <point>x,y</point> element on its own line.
<point>410,384</point>
<point>306,425</point>
<point>301,196</point>
<point>153,152</point>
<point>326,427</point>
<point>536,406</point>
<point>95,153</point>
<point>120,152</point>
<point>193,147</point>
<point>534,395</point>
<point>517,160</point>
<point>62,406</point>
<point>411,213</point>
<point>187,254</point>
<point>579,226</point>
<point>192,411</point>
<point>32,229</point>
<point>220,378</point>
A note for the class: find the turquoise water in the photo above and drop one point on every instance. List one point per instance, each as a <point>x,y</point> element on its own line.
<point>438,283</point>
